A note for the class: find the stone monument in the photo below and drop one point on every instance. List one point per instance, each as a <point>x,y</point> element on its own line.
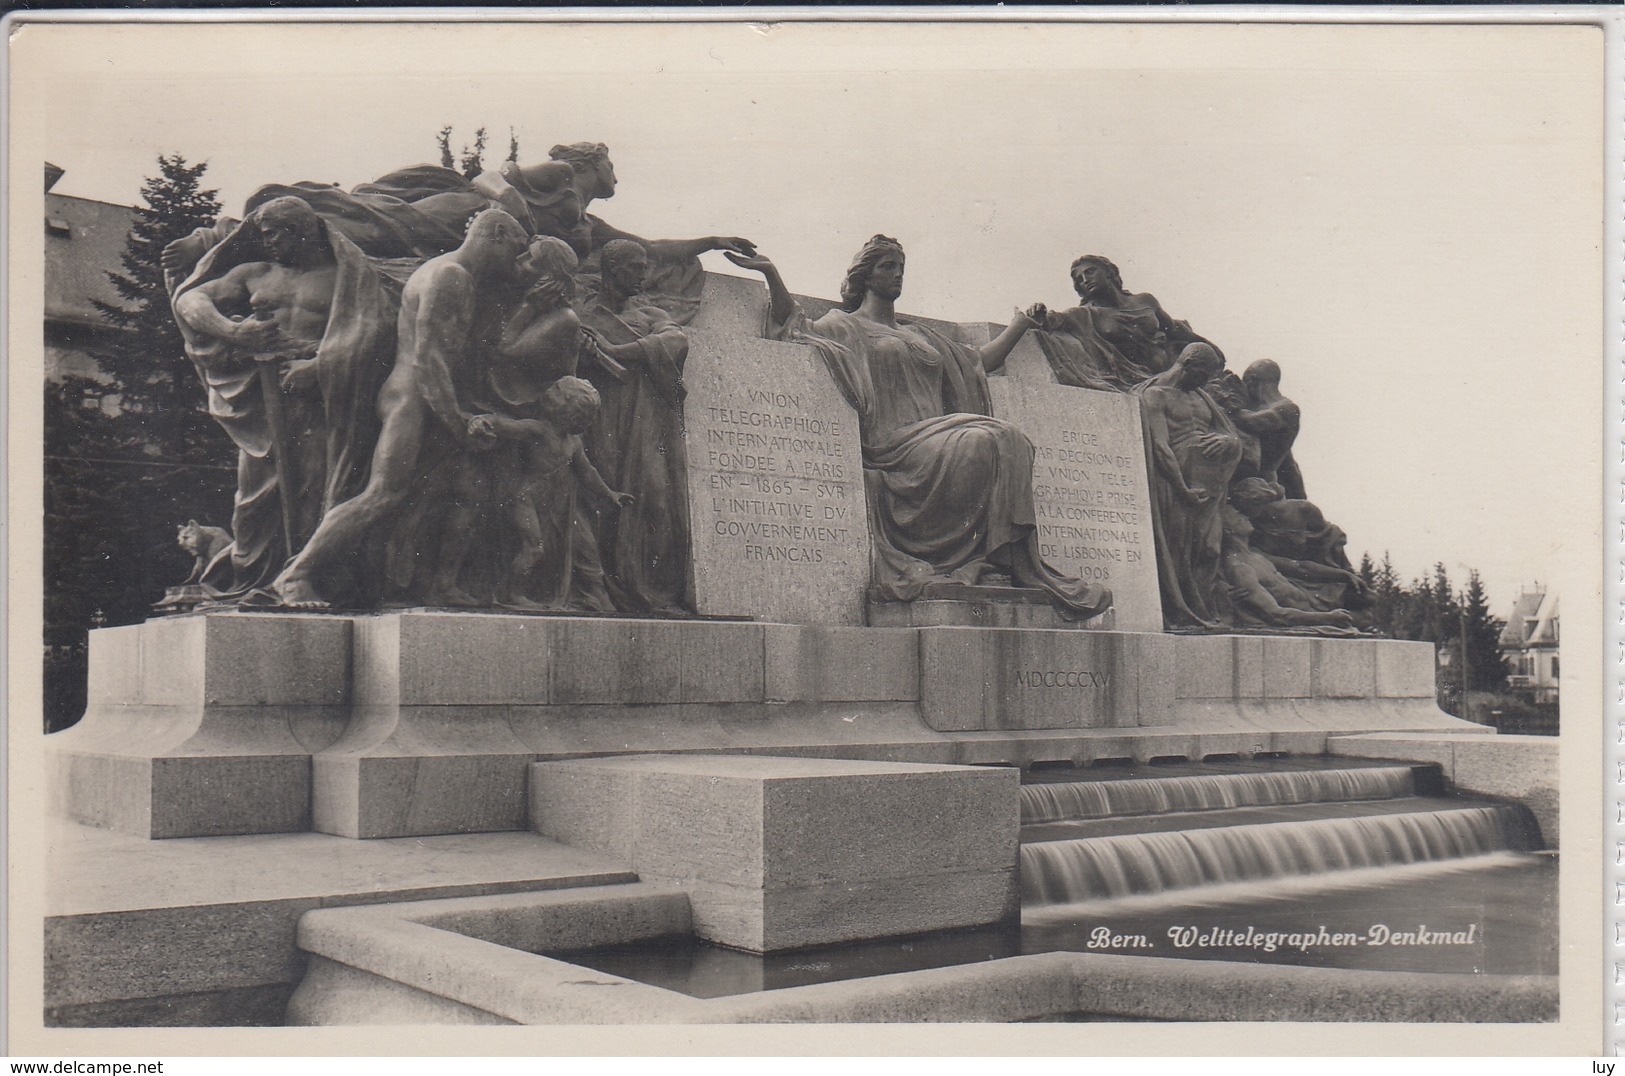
<point>520,492</point>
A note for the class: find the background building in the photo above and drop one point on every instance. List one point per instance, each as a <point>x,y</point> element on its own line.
<point>1530,644</point>
<point>84,241</point>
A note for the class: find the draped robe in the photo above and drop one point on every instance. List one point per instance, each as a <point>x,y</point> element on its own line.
<point>1189,537</point>
<point>330,441</point>
<point>637,443</point>
<point>1113,348</point>
<point>949,487</point>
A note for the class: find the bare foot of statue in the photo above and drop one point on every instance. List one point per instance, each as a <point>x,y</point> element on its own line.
<point>293,592</point>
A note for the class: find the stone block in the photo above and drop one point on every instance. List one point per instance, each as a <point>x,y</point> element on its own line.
<point>436,791</point>
<point>974,679</point>
<point>776,496</point>
<point>204,725</point>
<point>784,852</point>
<point>1027,362</point>
<point>111,957</point>
<point>451,659</point>
<point>1523,768</point>
<point>1249,658</point>
<point>1345,668</point>
<point>720,663</point>
<point>616,661</point>
<point>223,659</point>
<point>587,804</point>
<point>1205,667</point>
<point>128,666</point>
<point>1153,656</point>
<point>1090,490</point>
<point>1404,670</point>
<point>806,663</point>
<point>1287,668</point>
<point>276,660</point>
<point>732,304</point>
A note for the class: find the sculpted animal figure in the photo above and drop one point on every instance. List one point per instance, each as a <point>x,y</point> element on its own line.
<point>203,543</point>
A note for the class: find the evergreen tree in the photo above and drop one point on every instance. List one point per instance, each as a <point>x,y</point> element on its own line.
<point>513,145</point>
<point>1387,595</point>
<point>1487,669</point>
<point>128,460</point>
<point>152,379</point>
<point>443,141</point>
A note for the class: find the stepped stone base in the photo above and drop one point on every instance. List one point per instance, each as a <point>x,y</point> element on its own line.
<point>413,723</point>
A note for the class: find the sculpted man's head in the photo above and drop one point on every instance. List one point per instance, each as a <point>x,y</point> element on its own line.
<point>570,403</point>
<point>1095,277</point>
<point>1198,364</point>
<point>1250,495</point>
<point>493,230</point>
<point>589,157</point>
<point>1262,372</point>
<point>879,265</point>
<point>623,264</point>
<point>289,228</point>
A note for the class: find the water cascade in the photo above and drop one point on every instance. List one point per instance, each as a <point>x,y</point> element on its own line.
<point>1067,871</point>
<point>1063,801</point>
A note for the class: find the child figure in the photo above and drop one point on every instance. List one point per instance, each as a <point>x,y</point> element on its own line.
<point>555,538</point>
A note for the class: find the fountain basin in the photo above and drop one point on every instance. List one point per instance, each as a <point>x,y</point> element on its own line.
<point>474,960</point>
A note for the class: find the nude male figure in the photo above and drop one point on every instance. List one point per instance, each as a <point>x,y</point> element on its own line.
<point>291,295</point>
<point>446,306</point>
<point>1274,420</point>
<point>271,314</point>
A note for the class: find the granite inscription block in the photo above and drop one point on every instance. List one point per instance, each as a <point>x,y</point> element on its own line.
<point>1090,490</point>
<point>775,484</point>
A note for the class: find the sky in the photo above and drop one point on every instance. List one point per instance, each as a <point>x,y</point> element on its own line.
<point>1407,219</point>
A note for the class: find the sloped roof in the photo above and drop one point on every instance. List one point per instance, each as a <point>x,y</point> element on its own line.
<point>84,240</point>
<point>1525,607</point>
<point>1545,629</point>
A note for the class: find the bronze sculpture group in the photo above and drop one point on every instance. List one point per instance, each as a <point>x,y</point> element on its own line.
<point>469,393</point>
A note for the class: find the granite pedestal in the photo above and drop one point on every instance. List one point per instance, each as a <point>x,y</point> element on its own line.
<point>780,853</point>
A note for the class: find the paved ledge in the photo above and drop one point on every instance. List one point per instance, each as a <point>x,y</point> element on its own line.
<point>120,909</point>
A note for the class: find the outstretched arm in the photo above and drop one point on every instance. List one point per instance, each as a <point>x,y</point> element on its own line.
<point>780,305</point>
<point>199,308</point>
<point>594,482</point>
<point>672,249</point>
<point>995,351</point>
<point>1269,419</point>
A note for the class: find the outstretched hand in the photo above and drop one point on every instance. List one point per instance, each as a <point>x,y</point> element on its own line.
<point>1038,315</point>
<point>622,500</point>
<point>182,253</point>
<point>758,263</point>
<point>733,244</point>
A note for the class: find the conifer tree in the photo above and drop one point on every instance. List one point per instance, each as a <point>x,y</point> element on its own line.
<point>1487,669</point>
